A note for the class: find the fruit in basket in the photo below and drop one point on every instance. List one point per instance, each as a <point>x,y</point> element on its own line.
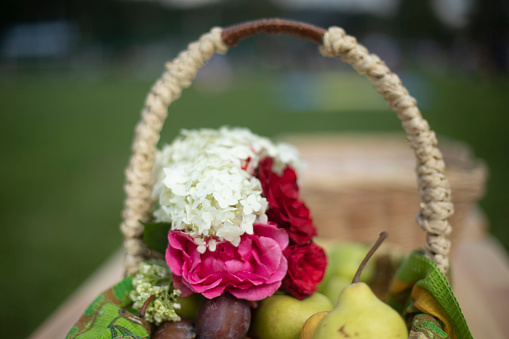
<point>189,306</point>
<point>344,260</point>
<point>224,317</point>
<point>334,286</point>
<point>282,316</point>
<point>182,329</point>
<point>360,314</point>
<point>310,325</point>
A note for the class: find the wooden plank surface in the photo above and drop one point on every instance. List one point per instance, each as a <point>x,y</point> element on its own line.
<point>481,285</point>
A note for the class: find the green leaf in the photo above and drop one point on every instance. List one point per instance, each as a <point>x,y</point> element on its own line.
<point>156,235</point>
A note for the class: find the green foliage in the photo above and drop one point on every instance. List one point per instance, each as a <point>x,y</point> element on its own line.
<point>155,235</point>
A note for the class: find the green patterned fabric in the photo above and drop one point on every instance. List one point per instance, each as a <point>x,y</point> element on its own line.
<point>419,291</point>
<point>107,318</point>
<point>426,326</point>
<point>420,287</point>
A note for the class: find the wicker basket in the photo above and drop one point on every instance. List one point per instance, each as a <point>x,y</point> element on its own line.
<point>347,175</point>
<point>435,205</point>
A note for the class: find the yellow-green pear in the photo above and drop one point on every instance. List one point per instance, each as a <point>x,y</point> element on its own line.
<point>344,260</point>
<point>308,329</point>
<point>189,306</point>
<point>348,256</point>
<point>360,314</point>
<point>334,286</point>
<point>282,316</point>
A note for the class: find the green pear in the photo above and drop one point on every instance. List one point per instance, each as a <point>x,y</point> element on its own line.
<point>282,316</point>
<point>189,306</point>
<point>334,286</point>
<point>344,260</point>
<point>360,314</point>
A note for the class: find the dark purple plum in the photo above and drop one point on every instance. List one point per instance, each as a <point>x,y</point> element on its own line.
<point>224,317</point>
<point>182,329</point>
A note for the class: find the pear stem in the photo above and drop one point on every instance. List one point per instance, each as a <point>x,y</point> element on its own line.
<point>368,256</point>
<point>143,309</point>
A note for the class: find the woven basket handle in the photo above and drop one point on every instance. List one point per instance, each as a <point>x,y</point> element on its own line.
<point>435,206</point>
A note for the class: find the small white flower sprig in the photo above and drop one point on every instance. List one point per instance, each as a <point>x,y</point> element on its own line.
<point>153,284</point>
<point>206,183</point>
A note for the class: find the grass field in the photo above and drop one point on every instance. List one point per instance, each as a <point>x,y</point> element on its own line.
<point>65,144</point>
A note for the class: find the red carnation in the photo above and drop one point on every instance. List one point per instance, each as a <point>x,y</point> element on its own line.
<point>285,207</point>
<point>306,267</point>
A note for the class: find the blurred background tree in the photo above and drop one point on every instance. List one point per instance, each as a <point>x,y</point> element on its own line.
<point>489,29</point>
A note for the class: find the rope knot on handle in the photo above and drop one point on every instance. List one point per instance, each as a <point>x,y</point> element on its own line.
<point>436,206</point>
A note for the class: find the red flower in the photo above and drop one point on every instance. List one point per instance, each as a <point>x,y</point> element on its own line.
<point>306,267</point>
<point>285,207</point>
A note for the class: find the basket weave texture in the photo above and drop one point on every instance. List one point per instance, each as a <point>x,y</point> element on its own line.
<point>356,185</point>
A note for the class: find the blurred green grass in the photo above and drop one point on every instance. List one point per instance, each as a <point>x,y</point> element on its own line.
<point>66,141</point>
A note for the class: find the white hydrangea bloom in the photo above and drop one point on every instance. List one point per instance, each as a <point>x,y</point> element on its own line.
<point>206,185</point>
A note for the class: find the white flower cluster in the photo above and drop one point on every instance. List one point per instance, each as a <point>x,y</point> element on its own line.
<point>154,278</point>
<point>206,185</point>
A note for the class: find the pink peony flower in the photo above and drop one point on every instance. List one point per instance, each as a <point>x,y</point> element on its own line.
<point>251,271</point>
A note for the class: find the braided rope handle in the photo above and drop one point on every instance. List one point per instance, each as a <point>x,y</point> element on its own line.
<point>435,206</point>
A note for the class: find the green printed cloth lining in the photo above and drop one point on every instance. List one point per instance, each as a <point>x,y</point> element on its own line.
<point>419,287</point>
<point>425,326</point>
<point>419,291</point>
<point>107,317</point>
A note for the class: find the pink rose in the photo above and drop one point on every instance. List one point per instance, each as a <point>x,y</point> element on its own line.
<point>251,271</point>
